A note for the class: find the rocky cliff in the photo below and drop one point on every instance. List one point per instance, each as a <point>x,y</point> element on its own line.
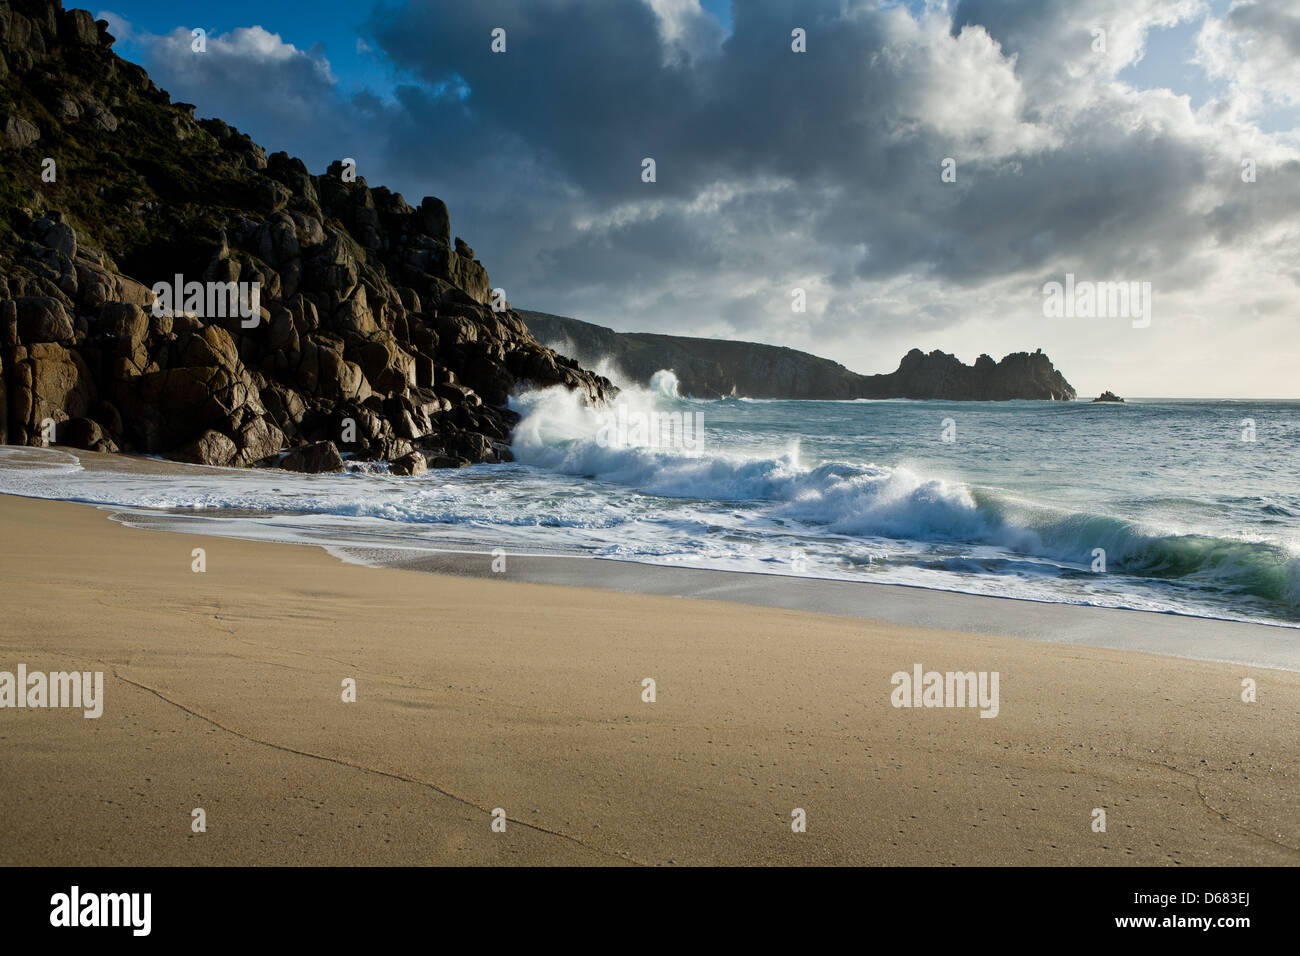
<point>712,368</point>
<point>343,318</point>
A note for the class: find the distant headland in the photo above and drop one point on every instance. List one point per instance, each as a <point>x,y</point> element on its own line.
<point>716,368</point>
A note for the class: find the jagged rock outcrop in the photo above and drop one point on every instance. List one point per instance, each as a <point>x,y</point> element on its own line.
<point>713,368</point>
<point>1027,375</point>
<point>370,331</point>
<point>1108,396</point>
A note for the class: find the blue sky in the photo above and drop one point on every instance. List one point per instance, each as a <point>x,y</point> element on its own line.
<point>331,29</point>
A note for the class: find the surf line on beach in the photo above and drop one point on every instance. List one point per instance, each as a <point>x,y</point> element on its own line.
<point>78,690</point>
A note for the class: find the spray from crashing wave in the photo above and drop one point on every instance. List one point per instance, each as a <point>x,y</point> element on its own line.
<point>643,430</point>
<point>664,383</point>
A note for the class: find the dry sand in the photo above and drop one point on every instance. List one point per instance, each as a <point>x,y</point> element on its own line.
<point>223,691</point>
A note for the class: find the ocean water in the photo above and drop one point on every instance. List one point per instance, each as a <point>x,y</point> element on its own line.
<point>1159,505</point>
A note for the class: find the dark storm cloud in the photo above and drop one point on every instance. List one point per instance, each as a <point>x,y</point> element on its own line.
<point>581,86</point>
<point>587,88</point>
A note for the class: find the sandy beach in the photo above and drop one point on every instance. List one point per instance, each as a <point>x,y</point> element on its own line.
<point>223,690</point>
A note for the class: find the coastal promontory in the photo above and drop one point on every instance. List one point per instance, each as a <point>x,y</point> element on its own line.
<point>717,368</point>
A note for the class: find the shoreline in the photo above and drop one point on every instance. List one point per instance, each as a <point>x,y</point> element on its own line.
<point>222,692</point>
